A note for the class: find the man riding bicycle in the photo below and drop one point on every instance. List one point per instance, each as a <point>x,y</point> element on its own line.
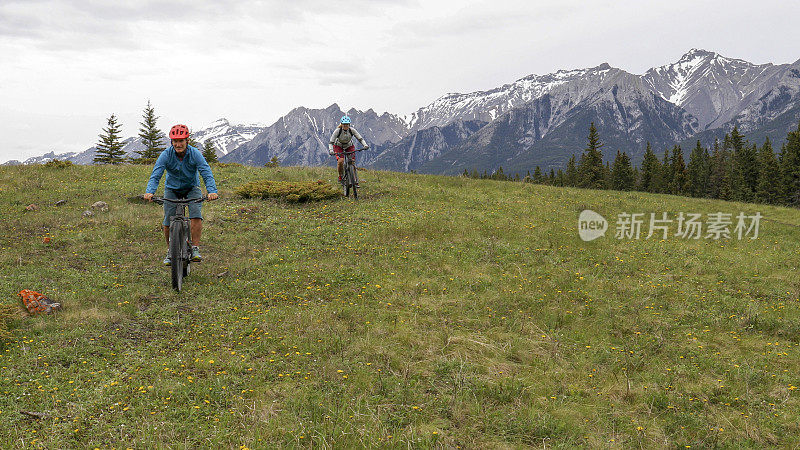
<point>342,141</point>
<point>182,163</point>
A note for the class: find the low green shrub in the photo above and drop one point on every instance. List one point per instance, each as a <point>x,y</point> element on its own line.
<point>296,192</point>
<point>58,164</point>
<point>272,163</point>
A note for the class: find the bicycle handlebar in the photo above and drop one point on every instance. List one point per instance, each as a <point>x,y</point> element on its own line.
<point>186,201</point>
<point>352,151</point>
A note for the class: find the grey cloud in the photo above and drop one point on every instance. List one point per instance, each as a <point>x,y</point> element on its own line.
<point>78,25</point>
<point>24,26</point>
<point>342,79</point>
<point>420,31</point>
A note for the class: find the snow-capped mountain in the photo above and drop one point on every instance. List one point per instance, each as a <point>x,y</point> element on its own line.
<point>543,119</point>
<point>536,120</point>
<point>546,131</point>
<point>227,137</point>
<point>301,137</point>
<point>130,146</point>
<point>711,87</point>
<point>486,106</point>
<point>419,147</point>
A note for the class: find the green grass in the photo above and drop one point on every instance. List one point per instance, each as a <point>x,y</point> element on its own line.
<point>433,312</point>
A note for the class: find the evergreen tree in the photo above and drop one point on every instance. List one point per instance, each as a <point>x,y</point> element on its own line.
<point>790,168</point>
<point>591,169</point>
<point>571,176</point>
<point>737,142</point>
<point>678,171</point>
<point>559,180</point>
<point>190,141</point>
<point>698,172</point>
<point>210,152</point>
<point>622,176</point>
<point>537,176</point>
<point>719,184</point>
<point>769,176</point>
<point>551,177</point>
<point>650,178</point>
<point>665,182</point>
<point>109,149</point>
<point>744,170</point>
<point>607,176</point>
<point>747,173</point>
<point>150,134</point>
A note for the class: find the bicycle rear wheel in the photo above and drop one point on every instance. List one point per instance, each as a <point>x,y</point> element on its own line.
<point>176,242</point>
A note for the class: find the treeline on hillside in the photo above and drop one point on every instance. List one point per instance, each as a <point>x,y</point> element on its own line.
<point>733,169</point>
<point>109,147</point>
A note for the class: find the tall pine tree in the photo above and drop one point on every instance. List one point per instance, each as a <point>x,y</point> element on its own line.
<point>769,175</point>
<point>591,170</point>
<point>109,149</point>
<point>191,142</point>
<point>623,177</point>
<point>571,175</point>
<point>559,180</point>
<point>210,152</point>
<point>666,173</point>
<point>698,172</point>
<point>678,171</point>
<point>150,134</point>
<point>537,176</point>
<point>744,177</point>
<point>650,177</point>
<point>719,184</point>
<point>790,168</point>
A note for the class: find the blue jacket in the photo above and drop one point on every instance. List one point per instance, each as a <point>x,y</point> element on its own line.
<point>181,175</point>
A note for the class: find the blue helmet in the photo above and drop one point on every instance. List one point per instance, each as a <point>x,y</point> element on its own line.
<point>345,119</point>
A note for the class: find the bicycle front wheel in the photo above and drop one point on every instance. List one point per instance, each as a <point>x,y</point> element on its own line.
<point>176,242</point>
<point>353,182</point>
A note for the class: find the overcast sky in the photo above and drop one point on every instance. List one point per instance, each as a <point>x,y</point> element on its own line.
<point>66,65</point>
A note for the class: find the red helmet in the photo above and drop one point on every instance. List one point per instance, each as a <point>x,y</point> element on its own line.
<point>179,132</point>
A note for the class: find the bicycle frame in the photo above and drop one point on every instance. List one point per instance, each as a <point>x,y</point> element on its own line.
<point>349,173</point>
<point>180,236</point>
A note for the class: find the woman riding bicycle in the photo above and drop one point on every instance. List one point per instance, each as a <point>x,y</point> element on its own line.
<point>342,141</point>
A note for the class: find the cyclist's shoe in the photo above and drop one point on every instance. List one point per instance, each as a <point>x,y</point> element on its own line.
<point>358,185</point>
<point>196,254</point>
<point>167,260</point>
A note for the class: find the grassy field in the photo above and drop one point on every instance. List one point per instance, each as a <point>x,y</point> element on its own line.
<point>434,312</point>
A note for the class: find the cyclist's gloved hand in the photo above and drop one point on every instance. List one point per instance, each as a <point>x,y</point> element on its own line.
<point>366,147</point>
<point>212,196</point>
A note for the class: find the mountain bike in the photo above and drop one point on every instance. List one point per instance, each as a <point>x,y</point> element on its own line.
<point>180,239</point>
<point>350,174</point>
